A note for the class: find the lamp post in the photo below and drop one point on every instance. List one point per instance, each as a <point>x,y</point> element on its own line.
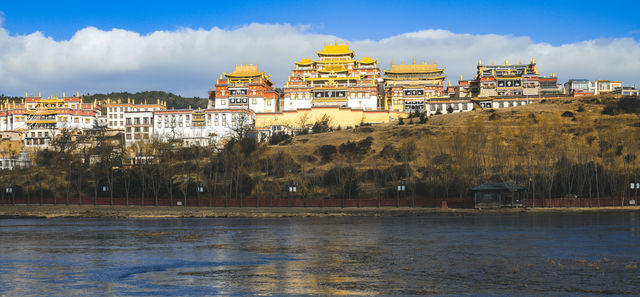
<point>9,191</point>
<point>105,189</point>
<point>199,189</point>
<point>634,186</point>
<point>293,188</point>
<point>401,188</point>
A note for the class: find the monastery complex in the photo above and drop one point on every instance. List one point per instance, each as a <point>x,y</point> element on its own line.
<point>336,85</point>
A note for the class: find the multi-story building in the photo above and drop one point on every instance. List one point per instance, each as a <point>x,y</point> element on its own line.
<point>508,80</point>
<point>138,126</point>
<point>577,87</point>
<point>408,87</point>
<point>627,91</point>
<point>244,88</point>
<point>447,105</point>
<point>582,87</point>
<point>40,119</point>
<point>201,127</point>
<point>603,86</point>
<point>116,110</point>
<point>337,78</point>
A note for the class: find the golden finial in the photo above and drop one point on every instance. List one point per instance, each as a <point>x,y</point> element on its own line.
<point>77,94</point>
<point>479,62</point>
<point>145,101</point>
<point>414,61</point>
<point>39,94</point>
<point>533,60</point>
<point>64,94</point>
<point>26,94</point>
<point>435,62</point>
<point>506,62</point>
<point>129,100</point>
<point>460,76</point>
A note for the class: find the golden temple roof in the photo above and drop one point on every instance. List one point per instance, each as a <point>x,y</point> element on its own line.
<point>368,60</point>
<point>304,61</point>
<point>245,71</point>
<point>335,49</point>
<point>414,68</point>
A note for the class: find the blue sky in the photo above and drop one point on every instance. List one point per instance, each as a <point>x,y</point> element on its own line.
<point>183,46</point>
<point>555,22</point>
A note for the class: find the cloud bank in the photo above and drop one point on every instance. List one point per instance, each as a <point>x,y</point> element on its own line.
<point>188,61</point>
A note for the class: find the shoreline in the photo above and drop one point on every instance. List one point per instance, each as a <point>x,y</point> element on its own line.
<point>154,212</point>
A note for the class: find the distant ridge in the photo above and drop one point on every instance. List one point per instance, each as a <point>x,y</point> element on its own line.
<point>173,101</point>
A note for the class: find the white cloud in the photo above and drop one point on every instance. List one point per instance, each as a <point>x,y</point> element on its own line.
<point>188,61</point>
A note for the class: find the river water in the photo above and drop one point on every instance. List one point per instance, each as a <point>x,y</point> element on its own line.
<point>511,254</point>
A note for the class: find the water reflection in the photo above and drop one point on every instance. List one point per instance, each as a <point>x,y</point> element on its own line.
<point>436,254</point>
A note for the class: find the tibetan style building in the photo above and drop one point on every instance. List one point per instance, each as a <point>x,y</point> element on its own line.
<point>410,86</point>
<point>508,81</point>
<point>244,88</point>
<point>336,79</point>
<point>39,119</point>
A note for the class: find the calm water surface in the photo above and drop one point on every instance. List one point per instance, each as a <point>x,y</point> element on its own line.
<point>515,254</point>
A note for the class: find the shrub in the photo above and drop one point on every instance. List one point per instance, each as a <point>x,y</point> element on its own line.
<point>450,109</point>
<point>327,151</point>
<point>609,110</point>
<point>280,138</point>
<point>321,125</point>
<point>356,149</point>
<point>629,105</point>
<point>567,114</point>
<point>388,151</point>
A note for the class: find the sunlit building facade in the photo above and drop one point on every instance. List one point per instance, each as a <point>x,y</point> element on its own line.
<point>244,88</point>
<point>336,78</point>
<point>410,86</point>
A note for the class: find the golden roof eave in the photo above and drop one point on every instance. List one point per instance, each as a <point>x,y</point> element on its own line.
<point>335,50</point>
<point>418,79</point>
<point>411,72</point>
<point>245,71</point>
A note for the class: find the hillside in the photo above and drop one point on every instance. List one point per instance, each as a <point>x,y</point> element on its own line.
<point>584,147</point>
<point>565,147</point>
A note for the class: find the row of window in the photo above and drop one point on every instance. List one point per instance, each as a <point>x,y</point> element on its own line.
<point>137,136</point>
<point>40,134</point>
<point>445,106</point>
<point>139,121</point>
<point>123,109</point>
<point>137,129</point>
<point>242,101</point>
